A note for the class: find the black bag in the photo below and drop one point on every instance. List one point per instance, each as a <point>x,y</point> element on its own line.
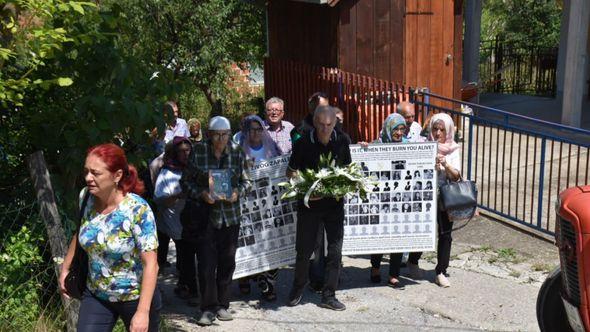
<point>458,195</point>
<point>75,281</point>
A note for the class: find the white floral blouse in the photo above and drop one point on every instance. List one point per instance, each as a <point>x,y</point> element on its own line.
<point>114,242</point>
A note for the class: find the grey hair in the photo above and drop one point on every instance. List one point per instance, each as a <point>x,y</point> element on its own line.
<point>322,110</point>
<point>274,100</point>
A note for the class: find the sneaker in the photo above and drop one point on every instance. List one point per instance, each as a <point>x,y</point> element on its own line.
<point>224,315</point>
<point>295,297</point>
<point>442,281</point>
<point>206,319</point>
<point>332,303</point>
<point>415,271</point>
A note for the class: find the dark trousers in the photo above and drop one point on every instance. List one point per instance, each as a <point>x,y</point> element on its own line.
<point>98,315</point>
<point>318,263</point>
<point>443,253</point>
<point>216,255</point>
<point>163,244</point>
<point>307,229</point>
<point>395,261</point>
<point>186,253</point>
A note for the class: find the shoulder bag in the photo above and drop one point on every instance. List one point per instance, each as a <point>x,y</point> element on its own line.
<point>75,281</point>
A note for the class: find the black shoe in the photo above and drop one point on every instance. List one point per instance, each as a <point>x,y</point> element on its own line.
<point>295,297</point>
<point>332,303</point>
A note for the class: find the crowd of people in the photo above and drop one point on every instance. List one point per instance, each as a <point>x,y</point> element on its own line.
<point>127,240</point>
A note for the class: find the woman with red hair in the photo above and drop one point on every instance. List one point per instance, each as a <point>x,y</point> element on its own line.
<point>118,232</point>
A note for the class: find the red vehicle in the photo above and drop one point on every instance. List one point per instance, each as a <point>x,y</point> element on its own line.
<point>563,303</point>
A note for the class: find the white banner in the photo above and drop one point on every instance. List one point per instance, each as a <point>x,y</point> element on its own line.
<point>267,231</point>
<point>400,214</point>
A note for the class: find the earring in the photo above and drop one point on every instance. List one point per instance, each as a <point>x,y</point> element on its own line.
<point>116,183</point>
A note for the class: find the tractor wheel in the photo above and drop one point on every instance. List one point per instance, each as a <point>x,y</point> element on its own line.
<point>551,314</point>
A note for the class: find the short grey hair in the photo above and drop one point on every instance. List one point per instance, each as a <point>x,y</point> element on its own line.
<point>274,100</point>
<point>401,107</point>
<point>324,110</point>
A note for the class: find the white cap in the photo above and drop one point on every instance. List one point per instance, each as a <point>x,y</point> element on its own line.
<point>219,123</point>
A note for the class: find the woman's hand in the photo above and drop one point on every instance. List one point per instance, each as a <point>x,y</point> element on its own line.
<point>62,283</point>
<point>140,321</point>
<point>234,196</point>
<point>441,161</point>
<point>364,144</point>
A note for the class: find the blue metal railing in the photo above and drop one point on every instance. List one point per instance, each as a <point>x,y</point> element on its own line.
<point>519,163</point>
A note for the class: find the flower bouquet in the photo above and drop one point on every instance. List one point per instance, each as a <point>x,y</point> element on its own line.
<point>329,181</point>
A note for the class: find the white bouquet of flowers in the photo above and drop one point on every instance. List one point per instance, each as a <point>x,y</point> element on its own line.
<point>329,181</point>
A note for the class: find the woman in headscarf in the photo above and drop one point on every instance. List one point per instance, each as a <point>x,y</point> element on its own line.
<point>170,199</point>
<point>258,146</point>
<point>393,131</point>
<point>257,143</point>
<point>194,127</point>
<point>448,165</point>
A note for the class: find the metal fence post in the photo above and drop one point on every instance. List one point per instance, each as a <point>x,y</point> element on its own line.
<point>541,184</point>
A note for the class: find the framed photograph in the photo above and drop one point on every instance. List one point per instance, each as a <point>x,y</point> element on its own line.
<point>220,184</point>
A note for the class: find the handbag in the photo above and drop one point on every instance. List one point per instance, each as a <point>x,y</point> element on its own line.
<point>459,195</point>
<point>75,281</point>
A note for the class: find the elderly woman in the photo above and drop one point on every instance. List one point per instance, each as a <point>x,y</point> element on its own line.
<point>393,131</point>
<point>171,201</point>
<point>258,146</point>
<point>448,165</point>
<point>118,232</point>
<point>257,143</point>
<point>194,128</point>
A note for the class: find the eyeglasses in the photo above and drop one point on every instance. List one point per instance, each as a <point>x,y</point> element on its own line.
<point>399,128</point>
<point>274,110</point>
<point>258,130</point>
<point>219,136</point>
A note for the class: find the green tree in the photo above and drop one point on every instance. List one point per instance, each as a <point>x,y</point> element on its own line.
<point>523,22</point>
<point>198,40</point>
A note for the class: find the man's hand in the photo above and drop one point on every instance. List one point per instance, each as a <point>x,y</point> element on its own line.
<point>364,144</point>
<point>207,197</point>
<point>234,196</point>
<point>62,284</point>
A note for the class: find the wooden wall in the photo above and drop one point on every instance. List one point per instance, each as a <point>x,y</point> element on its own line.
<point>303,32</point>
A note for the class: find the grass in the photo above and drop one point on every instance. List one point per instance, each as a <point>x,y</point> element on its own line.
<point>542,267</point>
<point>515,274</point>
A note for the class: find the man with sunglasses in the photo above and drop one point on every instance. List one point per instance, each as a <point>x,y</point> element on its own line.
<point>216,234</point>
<point>279,130</point>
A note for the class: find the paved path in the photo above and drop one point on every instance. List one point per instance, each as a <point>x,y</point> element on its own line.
<point>495,272</point>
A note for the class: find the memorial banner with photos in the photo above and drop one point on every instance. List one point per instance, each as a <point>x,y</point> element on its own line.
<point>400,214</point>
<point>267,231</point>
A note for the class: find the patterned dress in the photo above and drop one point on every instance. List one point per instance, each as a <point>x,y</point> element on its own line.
<point>114,242</point>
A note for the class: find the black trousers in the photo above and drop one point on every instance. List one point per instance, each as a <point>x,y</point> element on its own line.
<point>186,253</point>
<point>163,244</point>
<point>216,255</point>
<point>318,264</point>
<point>395,261</point>
<point>443,253</point>
<point>308,222</point>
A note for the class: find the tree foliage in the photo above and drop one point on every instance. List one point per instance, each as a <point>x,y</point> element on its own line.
<point>198,40</point>
<point>522,21</point>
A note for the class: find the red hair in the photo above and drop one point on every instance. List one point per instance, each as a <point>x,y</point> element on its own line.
<point>114,157</point>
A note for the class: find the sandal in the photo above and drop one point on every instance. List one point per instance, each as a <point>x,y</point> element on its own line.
<point>394,283</point>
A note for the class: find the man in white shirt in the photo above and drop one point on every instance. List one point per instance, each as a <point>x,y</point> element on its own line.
<point>175,126</point>
<point>413,128</point>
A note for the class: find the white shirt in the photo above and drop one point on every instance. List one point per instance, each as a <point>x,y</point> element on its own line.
<point>453,159</point>
<point>257,155</point>
<point>414,133</point>
<point>180,129</point>
<point>168,184</point>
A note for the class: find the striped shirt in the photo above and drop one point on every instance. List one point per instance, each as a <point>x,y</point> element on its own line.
<point>195,179</point>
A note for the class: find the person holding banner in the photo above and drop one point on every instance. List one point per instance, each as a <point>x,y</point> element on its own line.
<point>213,166</point>
<point>259,146</point>
<point>393,131</point>
<point>322,140</point>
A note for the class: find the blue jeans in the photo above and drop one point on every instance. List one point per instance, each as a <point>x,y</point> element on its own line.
<point>100,316</point>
